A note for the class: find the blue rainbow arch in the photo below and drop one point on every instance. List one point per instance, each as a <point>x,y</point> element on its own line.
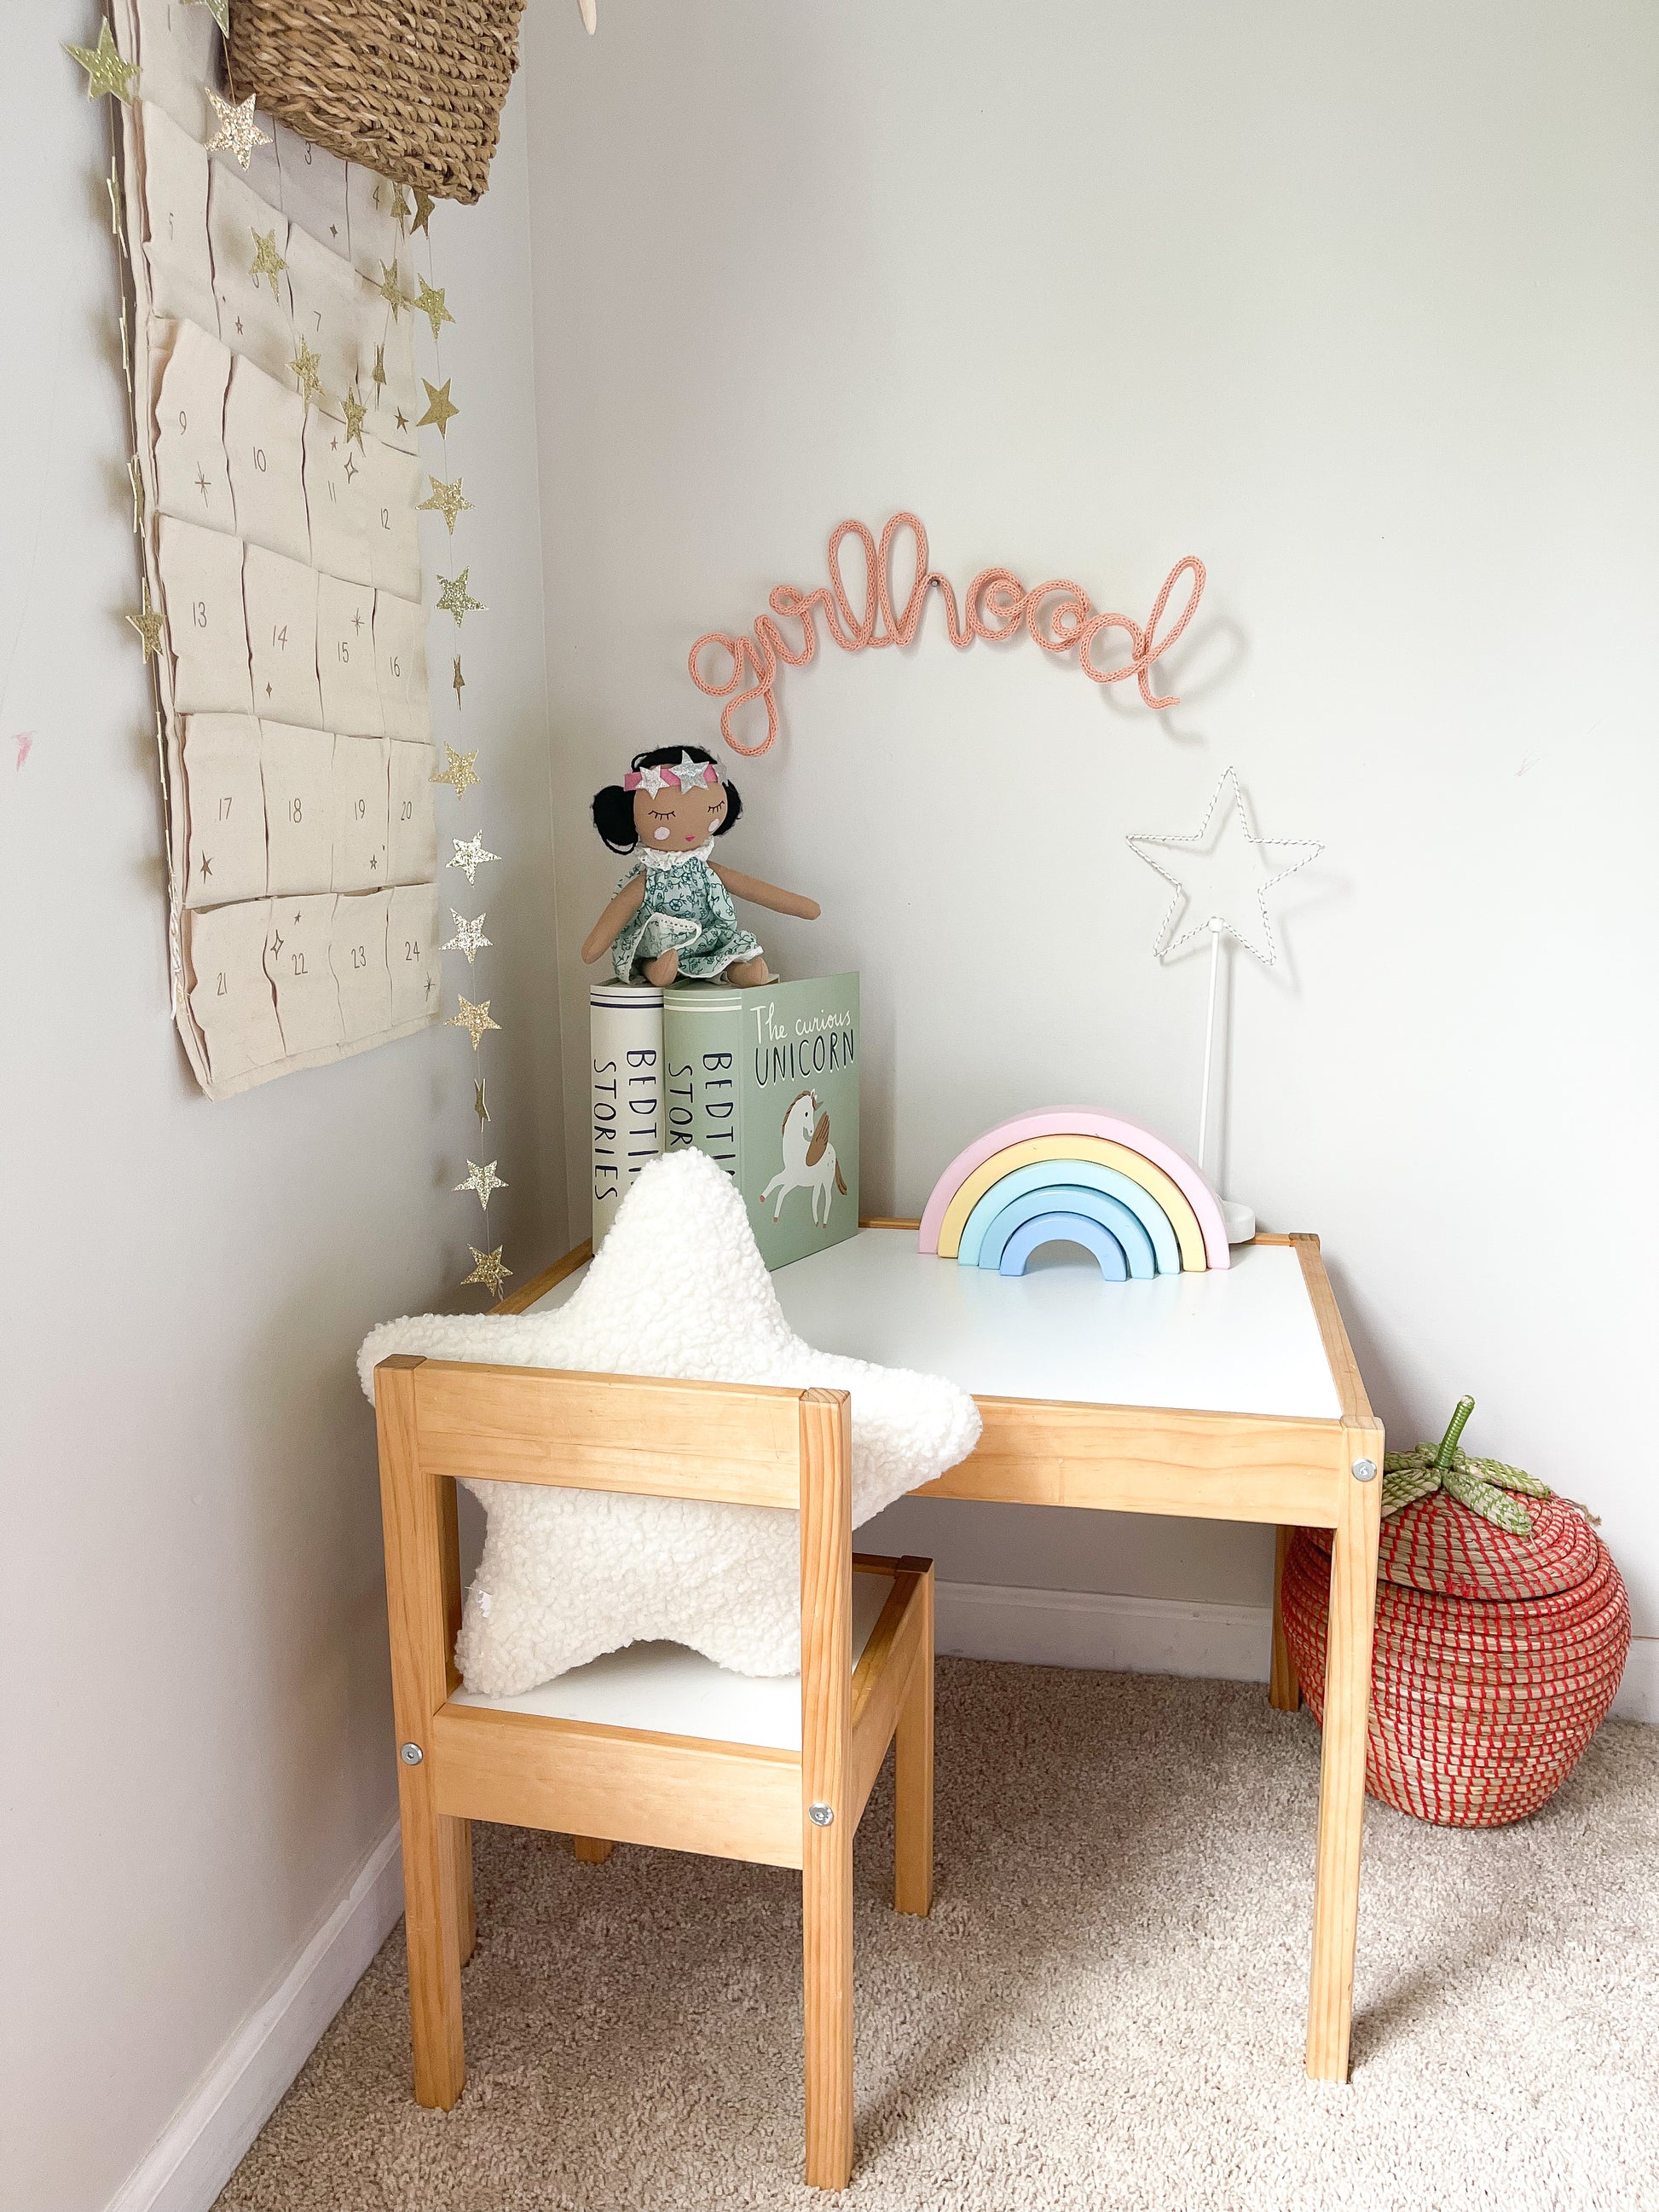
<point>1074,1177</point>
<point>1064,1228</point>
<point>1072,1199</point>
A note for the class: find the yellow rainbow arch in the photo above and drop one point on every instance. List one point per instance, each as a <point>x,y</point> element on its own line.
<point>1106,1154</point>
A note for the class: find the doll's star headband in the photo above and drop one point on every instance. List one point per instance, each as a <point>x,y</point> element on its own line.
<point>684,774</point>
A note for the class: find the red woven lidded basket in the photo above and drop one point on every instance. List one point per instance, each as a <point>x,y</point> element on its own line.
<point>1498,1648</point>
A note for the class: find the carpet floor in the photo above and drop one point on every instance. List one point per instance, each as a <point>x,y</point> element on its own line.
<point>1105,2009</point>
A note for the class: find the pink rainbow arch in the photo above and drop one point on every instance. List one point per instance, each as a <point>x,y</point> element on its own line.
<point>1083,1122</point>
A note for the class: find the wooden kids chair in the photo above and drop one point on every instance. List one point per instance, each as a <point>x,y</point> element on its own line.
<point>463,1758</point>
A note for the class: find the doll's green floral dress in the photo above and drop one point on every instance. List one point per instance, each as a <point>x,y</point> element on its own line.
<point>687,907</point>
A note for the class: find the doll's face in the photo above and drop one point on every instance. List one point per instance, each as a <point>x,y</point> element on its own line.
<point>676,821</point>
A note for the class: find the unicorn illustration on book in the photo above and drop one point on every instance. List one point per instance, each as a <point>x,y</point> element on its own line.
<point>808,1157</point>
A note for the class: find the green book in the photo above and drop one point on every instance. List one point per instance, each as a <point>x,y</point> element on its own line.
<point>766,1082</point>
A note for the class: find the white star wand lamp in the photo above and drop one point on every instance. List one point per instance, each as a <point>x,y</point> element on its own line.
<point>1227,871</point>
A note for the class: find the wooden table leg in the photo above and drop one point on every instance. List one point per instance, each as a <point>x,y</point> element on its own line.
<point>1342,1772</point>
<point>913,1770</point>
<point>1284,1685</point>
<point>592,1851</point>
<point>431,1887</point>
<point>466,1919</point>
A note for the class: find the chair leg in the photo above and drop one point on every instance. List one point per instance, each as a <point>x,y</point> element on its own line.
<point>913,1777</point>
<point>433,1879</point>
<point>827,1930</point>
<point>592,1851</point>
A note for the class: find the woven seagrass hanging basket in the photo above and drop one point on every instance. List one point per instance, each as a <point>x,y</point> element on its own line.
<point>1502,1629</point>
<point>412,88</point>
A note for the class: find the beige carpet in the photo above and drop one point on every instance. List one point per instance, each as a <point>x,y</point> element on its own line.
<point>1105,2009</point>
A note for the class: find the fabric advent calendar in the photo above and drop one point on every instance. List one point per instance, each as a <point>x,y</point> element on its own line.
<point>276,479</point>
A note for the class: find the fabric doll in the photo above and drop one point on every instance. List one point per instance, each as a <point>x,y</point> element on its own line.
<point>672,915</point>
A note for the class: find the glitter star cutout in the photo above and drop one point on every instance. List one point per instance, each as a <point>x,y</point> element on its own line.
<point>238,132</point>
<point>267,262</point>
<point>474,1020</point>
<point>446,501</point>
<point>431,305</point>
<point>458,683</point>
<point>390,290</point>
<point>401,209</point>
<point>487,1270</point>
<point>105,71</point>
<point>455,600</point>
<point>424,205</point>
<point>468,937</point>
<point>1231,868</point>
<point>380,364</point>
<point>354,411</point>
<point>483,1180</point>
<point>479,1105</point>
<point>440,409</point>
<point>305,366</point>
<point>469,854</point>
<point>401,419</point>
<point>219,11</point>
<point>461,773</point>
<point>148,624</point>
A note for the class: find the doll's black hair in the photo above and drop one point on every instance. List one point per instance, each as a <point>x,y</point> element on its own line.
<point>613,807</point>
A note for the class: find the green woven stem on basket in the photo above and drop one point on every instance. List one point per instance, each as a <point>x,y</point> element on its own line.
<point>1481,1485</point>
<point>1455,1428</point>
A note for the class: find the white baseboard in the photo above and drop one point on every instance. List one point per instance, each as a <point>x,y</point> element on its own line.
<point>1638,1693</point>
<point>201,2146</point>
<point>1085,1628</point>
<point>1163,1636</point>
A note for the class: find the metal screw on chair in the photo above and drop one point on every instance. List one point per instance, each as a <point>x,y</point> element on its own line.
<point>1364,1470</point>
<point>821,1816</point>
<point>410,1754</point>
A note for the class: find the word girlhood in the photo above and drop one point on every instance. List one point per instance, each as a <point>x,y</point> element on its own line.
<point>1056,614</point>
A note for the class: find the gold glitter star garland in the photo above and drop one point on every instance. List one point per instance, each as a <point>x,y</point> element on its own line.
<point>460,769</point>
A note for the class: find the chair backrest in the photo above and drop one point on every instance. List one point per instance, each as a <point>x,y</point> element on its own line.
<point>740,1443</point>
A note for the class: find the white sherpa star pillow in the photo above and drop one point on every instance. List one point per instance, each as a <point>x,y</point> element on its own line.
<point>678,1289</point>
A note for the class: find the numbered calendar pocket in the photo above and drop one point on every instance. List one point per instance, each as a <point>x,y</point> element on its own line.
<point>412,843</point>
<point>401,405</point>
<point>412,955</point>
<point>298,767</point>
<point>345,658</point>
<point>361,796</point>
<point>281,597</point>
<point>175,221</point>
<point>394,481</point>
<point>255,311</point>
<point>314,189</point>
<point>327,316</point>
<point>375,239</point>
<point>264,435</point>
<point>178,56</point>
<point>400,666</point>
<point>202,585</point>
<point>230,995</point>
<point>225,784</point>
<point>358,954</point>
<point>299,960</point>
<point>192,475</point>
<point>337,500</point>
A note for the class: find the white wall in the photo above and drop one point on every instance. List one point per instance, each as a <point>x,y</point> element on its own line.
<point>198,1732</point>
<point>1359,306</point>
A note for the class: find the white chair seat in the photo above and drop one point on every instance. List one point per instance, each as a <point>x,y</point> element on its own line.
<point>664,1687</point>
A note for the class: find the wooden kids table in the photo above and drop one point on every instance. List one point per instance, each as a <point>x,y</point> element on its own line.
<point>1231,1396</point>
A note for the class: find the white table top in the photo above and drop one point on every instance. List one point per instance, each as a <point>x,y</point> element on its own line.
<point>1238,1340</point>
<point>679,1692</point>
